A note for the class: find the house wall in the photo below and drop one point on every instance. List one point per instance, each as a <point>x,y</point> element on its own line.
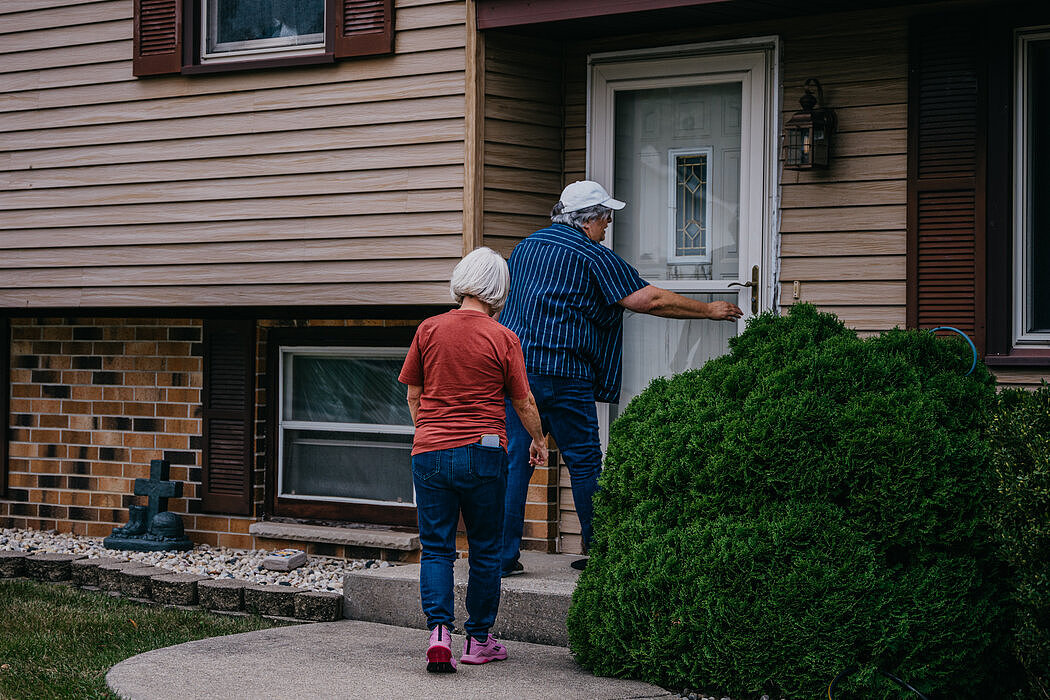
<point>94,400</point>
<point>327,184</point>
<point>522,137</point>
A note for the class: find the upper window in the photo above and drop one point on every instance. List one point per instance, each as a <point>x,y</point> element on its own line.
<point>246,28</point>
<point>1032,191</point>
<point>187,36</point>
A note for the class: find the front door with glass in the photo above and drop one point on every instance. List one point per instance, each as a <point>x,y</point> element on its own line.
<point>685,140</point>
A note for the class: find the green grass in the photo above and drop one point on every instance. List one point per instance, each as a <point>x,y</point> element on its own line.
<point>59,642</point>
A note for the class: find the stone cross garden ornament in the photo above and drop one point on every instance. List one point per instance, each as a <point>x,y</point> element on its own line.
<point>152,527</point>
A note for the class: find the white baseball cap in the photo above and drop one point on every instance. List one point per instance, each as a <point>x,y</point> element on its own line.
<point>586,193</point>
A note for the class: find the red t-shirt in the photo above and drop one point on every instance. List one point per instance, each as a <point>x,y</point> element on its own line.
<point>467,363</point>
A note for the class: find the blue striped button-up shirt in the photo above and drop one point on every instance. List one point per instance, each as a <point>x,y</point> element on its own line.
<point>564,290</point>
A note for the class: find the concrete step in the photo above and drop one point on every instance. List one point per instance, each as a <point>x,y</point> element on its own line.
<point>533,606</point>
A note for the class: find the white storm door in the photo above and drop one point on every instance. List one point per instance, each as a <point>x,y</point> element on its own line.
<point>686,141</point>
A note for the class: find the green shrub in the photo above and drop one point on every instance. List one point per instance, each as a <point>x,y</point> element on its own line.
<point>807,502</point>
<point>1021,439</point>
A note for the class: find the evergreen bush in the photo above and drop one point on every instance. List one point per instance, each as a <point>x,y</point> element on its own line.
<point>807,502</point>
<point>1020,435</point>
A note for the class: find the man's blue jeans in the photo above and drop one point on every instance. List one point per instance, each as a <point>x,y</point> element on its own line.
<point>471,479</point>
<point>568,413</point>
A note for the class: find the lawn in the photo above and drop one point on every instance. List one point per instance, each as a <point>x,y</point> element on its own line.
<point>59,642</point>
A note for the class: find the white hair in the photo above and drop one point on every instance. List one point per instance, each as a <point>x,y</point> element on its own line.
<point>482,273</point>
<point>579,217</point>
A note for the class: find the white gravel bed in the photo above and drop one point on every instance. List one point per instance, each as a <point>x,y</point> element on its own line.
<point>317,574</point>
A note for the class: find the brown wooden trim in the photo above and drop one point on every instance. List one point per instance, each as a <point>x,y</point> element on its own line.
<point>325,510</point>
<point>1020,357</point>
<point>946,175</point>
<point>228,416</point>
<point>351,39</point>
<point>157,42</point>
<point>474,138</point>
<point>493,14</point>
<point>406,311</point>
<point>260,64</point>
<point>5,399</point>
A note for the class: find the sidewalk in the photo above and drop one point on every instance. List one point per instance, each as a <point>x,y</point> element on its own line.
<point>353,659</point>
<point>369,659</point>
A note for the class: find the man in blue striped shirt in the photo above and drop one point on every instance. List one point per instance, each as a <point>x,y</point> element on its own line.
<point>567,297</point>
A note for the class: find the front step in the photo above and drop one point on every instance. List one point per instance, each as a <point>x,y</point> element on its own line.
<point>533,606</point>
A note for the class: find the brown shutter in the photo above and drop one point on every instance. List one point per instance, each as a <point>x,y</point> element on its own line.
<point>5,393</point>
<point>363,27</point>
<point>946,177</point>
<point>228,403</point>
<point>158,37</point>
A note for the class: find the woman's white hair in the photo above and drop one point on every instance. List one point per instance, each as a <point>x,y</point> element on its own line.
<point>482,273</point>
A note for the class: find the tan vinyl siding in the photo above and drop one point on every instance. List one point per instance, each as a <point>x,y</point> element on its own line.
<point>328,184</point>
<point>522,134</point>
<point>843,230</point>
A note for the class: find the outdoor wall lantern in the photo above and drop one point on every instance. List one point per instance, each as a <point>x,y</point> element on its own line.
<point>807,135</point>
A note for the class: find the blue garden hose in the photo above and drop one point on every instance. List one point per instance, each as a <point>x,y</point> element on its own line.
<point>967,338</point>
<point>884,674</point>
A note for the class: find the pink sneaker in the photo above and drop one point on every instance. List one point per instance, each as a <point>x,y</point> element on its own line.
<point>475,652</point>
<point>439,653</point>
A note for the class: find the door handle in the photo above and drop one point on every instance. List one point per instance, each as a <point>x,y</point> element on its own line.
<point>753,284</point>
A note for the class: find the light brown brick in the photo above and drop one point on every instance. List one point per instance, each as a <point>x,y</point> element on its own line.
<point>184,395</point>
<point>54,421</point>
<point>213,523</point>
<point>99,529</point>
<point>235,541</point>
<point>142,456</point>
<point>138,440</point>
<point>76,437</point>
<point>85,393</point>
<point>106,500</point>
<point>81,422</point>
<point>182,364</point>
<point>133,379</point>
<point>140,348</point>
<point>137,409</point>
<point>190,426</point>
<point>208,538</point>
<point>49,406</point>
<point>240,525</point>
<point>540,512</point>
<point>106,408</point>
<point>114,485</point>
<point>172,442</point>
<point>136,471</point>
<point>30,391</point>
<point>172,410</point>
<point>108,438</point>
<point>117,363</point>
<point>148,393</point>
<point>118,393</point>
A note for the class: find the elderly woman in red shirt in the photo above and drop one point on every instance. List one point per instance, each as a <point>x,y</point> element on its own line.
<point>461,368</point>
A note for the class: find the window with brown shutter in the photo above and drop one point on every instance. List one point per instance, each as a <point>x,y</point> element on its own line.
<point>198,36</point>
<point>227,416</point>
<point>946,176</point>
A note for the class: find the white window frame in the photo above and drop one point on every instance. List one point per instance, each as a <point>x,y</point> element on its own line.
<point>256,48</point>
<point>672,205</point>
<point>283,424</point>
<point>1022,193</point>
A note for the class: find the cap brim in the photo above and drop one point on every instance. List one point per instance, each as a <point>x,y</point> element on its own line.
<point>615,204</point>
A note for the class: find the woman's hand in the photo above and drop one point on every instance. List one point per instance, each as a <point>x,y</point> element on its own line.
<point>538,453</point>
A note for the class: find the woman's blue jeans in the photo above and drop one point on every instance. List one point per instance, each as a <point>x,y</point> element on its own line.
<point>473,480</point>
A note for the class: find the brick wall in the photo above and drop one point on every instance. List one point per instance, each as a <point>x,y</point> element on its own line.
<point>92,402</point>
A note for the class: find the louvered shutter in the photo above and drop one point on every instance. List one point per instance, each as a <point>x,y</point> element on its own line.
<point>5,393</point>
<point>946,177</point>
<point>228,402</point>
<point>363,27</point>
<point>158,37</point>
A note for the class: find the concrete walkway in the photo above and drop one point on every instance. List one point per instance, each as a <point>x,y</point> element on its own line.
<point>353,659</point>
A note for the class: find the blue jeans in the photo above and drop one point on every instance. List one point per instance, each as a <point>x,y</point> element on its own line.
<point>471,479</point>
<point>568,413</point>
